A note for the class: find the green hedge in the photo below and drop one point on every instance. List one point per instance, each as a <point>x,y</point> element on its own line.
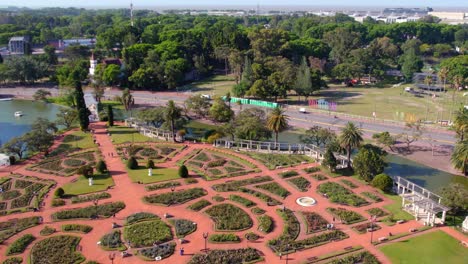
<point>346,216</point>
<point>268,199</point>
<point>13,260</point>
<point>244,201</point>
<point>338,194</point>
<point>77,228</point>
<point>139,217</point>
<point>178,197</point>
<point>274,188</point>
<point>229,217</point>
<point>265,224</point>
<point>199,205</point>
<point>112,241</point>
<point>14,226</point>
<point>300,183</point>
<point>19,245</point>
<point>224,238</point>
<point>361,257</point>
<point>288,174</point>
<point>104,210</point>
<point>235,185</point>
<point>183,227</point>
<point>90,197</point>
<point>243,255</point>
<point>165,185</point>
<point>163,250</point>
<point>145,234</point>
<point>57,249</point>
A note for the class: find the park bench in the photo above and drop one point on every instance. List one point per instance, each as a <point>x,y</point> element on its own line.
<point>381,239</point>
<point>400,221</point>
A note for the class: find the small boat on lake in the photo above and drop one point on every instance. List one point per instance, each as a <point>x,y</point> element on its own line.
<point>18,113</point>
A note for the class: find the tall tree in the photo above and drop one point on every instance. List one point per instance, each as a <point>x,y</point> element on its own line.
<point>277,122</point>
<point>459,157</point>
<point>443,74</point>
<point>127,99</point>
<point>16,145</point>
<point>41,95</point>
<point>66,117</point>
<point>303,84</point>
<point>247,73</point>
<point>369,162</point>
<point>49,54</point>
<point>411,63</point>
<point>220,111</point>
<point>460,123</point>
<point>350,137</point>
<point>455,195</point>
<point>318,136</point>
<point>83,111</point>
<point>172,112</point>
<point>110,115</point>
<point>250,124</point>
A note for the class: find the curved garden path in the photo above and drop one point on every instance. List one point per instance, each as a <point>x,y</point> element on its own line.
<point>131,193</point>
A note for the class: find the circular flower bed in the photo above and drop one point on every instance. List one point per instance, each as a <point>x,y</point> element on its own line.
<point>148,152</point>
<point>73,162</point>
<point>306,201</point>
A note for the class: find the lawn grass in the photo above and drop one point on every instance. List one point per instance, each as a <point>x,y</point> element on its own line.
<point>214,85</point>
<point>159,174</point>
<point>121,134</point>
<point>434,247</point>
<point>77,140</point>
<point>390,102</point>
<point>81,186</point>
<point>395,208</point>
<point>117,107</point>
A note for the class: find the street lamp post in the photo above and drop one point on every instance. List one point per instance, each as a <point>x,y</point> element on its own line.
<point>287,253</point>
<point>372,227</point>
<point>112,257</point>
<point>95,202</point>
<point>205,237</point>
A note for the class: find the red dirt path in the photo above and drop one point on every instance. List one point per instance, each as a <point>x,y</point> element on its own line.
<point>132,193</point>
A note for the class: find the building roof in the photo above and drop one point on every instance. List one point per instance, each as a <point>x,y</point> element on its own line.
<point>22,38</point>
<point>112,61</point>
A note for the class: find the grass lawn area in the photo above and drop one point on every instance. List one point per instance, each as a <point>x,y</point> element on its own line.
<point>390,102</point>
<point>117,107</point>
<point>434,247</point>
<point>122,134</point>
<point>214,85</point>
<point>395,208</point>
<point>77,139</point>
<point>81,186</point>
<point>159,174</point>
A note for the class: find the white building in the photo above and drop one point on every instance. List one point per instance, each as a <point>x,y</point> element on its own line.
<point>4,160</point>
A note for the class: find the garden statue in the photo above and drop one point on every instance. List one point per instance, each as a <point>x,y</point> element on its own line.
<point>465,225</point>
<point>90,181</point>
<point>150,172</point>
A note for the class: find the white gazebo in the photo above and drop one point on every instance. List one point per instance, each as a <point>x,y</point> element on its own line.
<point>4,160</point>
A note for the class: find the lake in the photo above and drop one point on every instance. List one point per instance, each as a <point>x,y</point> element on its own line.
<point>11,126</point>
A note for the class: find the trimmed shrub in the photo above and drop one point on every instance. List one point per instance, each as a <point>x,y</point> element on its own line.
<point>251,236</point>
<point>183,227</point>
<point>90,197</point>
<point>288,174</point>
<point>112,240</point>
<point>59,192</point>
<point>77,228</point>
<point>274,188</point>
<point>183,171</point>
<point>47,231</point>
<point>199,205</point>
<point>265,224</point>
<point>132,163</point>
<point>139,217</point>
<point>105,210</point>
<point>383,182</point>
<point>18,246</point>
<point>346,216</point>
<point>224,238</point>
<point>150,164</point>
<point>101,166</point>
<point>258,211</point>
<point>239,199</point>
<point>58,202</point>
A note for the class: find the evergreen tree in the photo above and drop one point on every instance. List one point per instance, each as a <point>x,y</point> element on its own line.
<point>110,116</point>
<point>132,163</point>
<point>303,85</point>
<point>329,160</point>
<point>183,171</point>
<point>83,111</point>
<point>411,63</point>
<point>150,164</point>
<point>101,166</point>
<point>247,74</point>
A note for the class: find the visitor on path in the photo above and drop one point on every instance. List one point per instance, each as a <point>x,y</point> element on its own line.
<point>182,251</point>
<point>333,219</point>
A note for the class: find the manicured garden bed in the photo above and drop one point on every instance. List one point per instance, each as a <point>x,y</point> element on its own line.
<point>365,227</point>
<point>154,151</point>
<point>374,197</point>
<point>112,241</point>
<point>236,185</point>
<point>288,174</point>
<point>139,217</point>
<point>12,227</point>
<point>312,170</point>
<point>47,231</point>
<point>65,166</point>
<point>101,182</point>
<point>13,260</point>
<point>159,175</point>
<point>183,227</point>
<point>319,177</point>
<point>122,134</point>
<point>336,193</point>
<point>223,238</point>
<point>272,161</point>
<point>199,205</point>
<point>160,186</point>
<point>229,217</point>
<point>314,222</point>
<point>244,255</point>
<point>258,211</point>
<point>103,210</point>
<point>145,234</point>
<point>291,227</point>
<point>164,250</point>
<point>274,188</point>
<point>178,197</point>
<point>90,197</point>
<point>361,257</point>
<point>244,201</point>
<point>345,216</point>
<point>265,224</point>
<point>267,199</point>
<point>84,229</point>
<point>313,241</point>
<point>18,246</point>
<point>376,212</point>
<point>56,249</point>
<point>300,183</point>
<point>349,183</point>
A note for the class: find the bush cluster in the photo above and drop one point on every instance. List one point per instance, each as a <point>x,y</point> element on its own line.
<point>361,257</point>
<point>77,228</point>
<point>47,231</point>
<point>13,260</point>
<point>139,217</point>
<point>377,212</point>
<point>105,210</point>
<point>339,194</point>
<point>346,216</point>
<point>311,169</point>
<point>90,197</point>
<point>372,196</point>
<point>199,205</point>
<point>288,174</point>
<point>244,201</point>
<point>19,245</point>
<point>244,255</point>
<point>265,224</point>
<point>184,227</point>
<point>229,217</point>
<point>314,222</point>
<point>274,188</point>
<point>269,200</point>
<point>216,163</point>
<point>112,240</point>
<point>163,250</point>
<point>145,234</point>
<point>224,238</point>
<point>56,249</point>
<point>300,183</point>
<point>178,197</point>
<point>14,226</point>
<point>235,185</point>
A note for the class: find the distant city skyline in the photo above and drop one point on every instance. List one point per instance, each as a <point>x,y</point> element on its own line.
<point>241,3</point>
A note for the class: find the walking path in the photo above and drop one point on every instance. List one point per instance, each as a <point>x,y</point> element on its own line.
<point>131,193</point>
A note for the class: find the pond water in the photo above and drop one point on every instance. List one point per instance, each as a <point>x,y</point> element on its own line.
<point>430,178</point>
<point>11,126</point>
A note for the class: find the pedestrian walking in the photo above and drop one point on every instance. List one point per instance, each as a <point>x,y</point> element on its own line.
<point>333,219</point>
<point>182,251</point>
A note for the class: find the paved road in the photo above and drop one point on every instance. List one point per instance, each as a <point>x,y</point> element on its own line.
<point>439,136</point>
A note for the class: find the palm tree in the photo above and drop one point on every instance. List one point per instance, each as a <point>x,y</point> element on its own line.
<point>460,156</point>
<point>172,112</point>
<point>277,122</point>
<point>443,73</point>
<point>428,80</point>
<point>127,99</point>
<point>228,99</point>
<point>460,123</point>
<point>351,137</point>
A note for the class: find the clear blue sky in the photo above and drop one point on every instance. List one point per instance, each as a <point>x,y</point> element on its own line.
<point>182,3</point>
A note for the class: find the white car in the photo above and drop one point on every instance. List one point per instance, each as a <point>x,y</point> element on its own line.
<point>206,96</point>
<point>302,110</point>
